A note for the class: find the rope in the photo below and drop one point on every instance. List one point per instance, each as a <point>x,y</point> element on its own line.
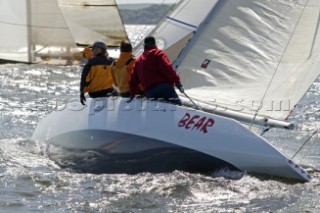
<point>177,12</point>
<point>265,130</point>
<point>146,31</point>
<point>308,139</point>
<point>195,105</point>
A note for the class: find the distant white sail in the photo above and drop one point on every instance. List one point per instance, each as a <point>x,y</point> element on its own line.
<point>254,56</point>
<point>177,28</point>
<point>33,28</point>
<point>34,31</point>
<point>94,20</point>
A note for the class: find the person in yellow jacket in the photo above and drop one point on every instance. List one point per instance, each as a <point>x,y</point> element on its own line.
<point>121,69</point>
<point>96,77</point>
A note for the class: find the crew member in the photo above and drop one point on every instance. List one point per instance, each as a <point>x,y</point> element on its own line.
<point>154,72</point>
<point>96,77</point>
<point>121,69</point>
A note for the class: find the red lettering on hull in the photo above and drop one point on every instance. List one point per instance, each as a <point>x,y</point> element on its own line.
<point>196,122</point>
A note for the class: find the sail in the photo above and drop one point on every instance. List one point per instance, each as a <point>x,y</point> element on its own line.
<point>49,31</point>
<point>178,27</point>
<point>94,20</point>
<point>33,30</point>
<point>254,56</point>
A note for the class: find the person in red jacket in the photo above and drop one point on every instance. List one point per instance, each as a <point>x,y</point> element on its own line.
<point>154,72</point>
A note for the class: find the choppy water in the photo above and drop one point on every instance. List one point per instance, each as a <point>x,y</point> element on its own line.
<point>31,182</point>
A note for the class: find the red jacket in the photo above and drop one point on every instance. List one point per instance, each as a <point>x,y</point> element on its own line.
<point>152,67</point>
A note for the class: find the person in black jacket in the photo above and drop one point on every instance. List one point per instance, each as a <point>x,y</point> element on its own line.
<point>96,77</point>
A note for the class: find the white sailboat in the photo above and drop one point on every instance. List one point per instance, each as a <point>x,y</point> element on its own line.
<point>50,31</point>
<point>235,61</point>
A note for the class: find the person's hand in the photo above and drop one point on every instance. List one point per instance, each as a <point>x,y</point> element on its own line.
<point>82,99</point>
<point>180,87</point>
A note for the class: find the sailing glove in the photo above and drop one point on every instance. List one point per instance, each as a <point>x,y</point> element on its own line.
<point>180,87</point>
<point>82,99</point>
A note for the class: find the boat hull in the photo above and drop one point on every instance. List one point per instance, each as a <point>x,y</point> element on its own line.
<point>112,152</point>
<point>119,128</point>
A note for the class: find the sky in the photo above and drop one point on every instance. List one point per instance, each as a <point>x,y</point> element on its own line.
<point>145,1</point>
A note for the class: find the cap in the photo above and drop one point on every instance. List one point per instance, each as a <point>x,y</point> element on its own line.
<point>149,40</point>
<point>99,44</point>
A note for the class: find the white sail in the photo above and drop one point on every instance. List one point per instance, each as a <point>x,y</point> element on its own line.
<point>178,27</point>
<point>35,31</point>
<point>94,20</point>
<point>254,56</point>
<point>31,30</point>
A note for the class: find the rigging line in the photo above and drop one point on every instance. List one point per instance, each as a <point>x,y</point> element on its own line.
<point>315,36</point>
<point>142,32</point>
<point>181,22</point>
<point>176,4</point>
<point>40,50</point>
<point>301,147</point>
<point>264,131</point>
<point>88,5</point>
<point>195,105</point>
<point>139,38</point>
<point>30,25</point>
<point>196,34</point>
<point>274,74</point>
<point>99,5</point>
<point>164,18</point>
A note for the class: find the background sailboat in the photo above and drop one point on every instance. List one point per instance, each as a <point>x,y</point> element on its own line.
<point>35,31</point>
<point>93,20</point>
<point>30,28</point>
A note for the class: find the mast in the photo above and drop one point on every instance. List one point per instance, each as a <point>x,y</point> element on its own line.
<point>29,30</point>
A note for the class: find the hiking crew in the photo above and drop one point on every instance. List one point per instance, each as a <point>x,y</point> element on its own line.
<point>121,69</point>
<point>96,77</point>
<point>154,72</point>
